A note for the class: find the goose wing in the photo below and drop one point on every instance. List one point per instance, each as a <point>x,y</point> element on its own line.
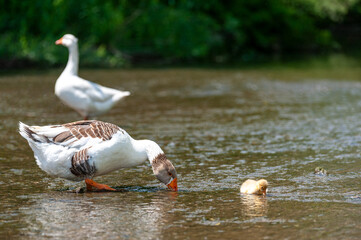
<point>52,143</point>
<point>85,133</point>
<point>93,90</point>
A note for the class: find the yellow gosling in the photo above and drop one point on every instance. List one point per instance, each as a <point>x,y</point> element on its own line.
<point>254,187</point>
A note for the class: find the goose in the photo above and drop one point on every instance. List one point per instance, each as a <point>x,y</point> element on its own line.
<point>254,187</point>
<point>87,98</point>
<point>86,149</point>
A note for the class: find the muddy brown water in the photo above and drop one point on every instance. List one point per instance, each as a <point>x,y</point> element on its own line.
<point>219,128</point>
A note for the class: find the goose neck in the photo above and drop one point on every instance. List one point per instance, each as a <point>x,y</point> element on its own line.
<point>73,60</point>
<point>149,148</point>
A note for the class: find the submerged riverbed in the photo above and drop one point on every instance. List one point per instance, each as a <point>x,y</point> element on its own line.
<point>219,128</point>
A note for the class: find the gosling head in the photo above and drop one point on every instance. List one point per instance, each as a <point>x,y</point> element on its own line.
<point>262,186</point>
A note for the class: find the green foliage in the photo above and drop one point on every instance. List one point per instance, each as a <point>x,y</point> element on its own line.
<point>111,32</point>
<point>169,32</point>
<point>333,9</point>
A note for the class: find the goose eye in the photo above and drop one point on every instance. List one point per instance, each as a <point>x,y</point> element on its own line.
<point>169,174</point>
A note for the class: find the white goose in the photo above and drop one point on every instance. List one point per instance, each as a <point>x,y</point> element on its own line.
<point>85,149</point>
<point>87,98</point>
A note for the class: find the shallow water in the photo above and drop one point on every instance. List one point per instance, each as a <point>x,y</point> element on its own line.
<point>219,128</point>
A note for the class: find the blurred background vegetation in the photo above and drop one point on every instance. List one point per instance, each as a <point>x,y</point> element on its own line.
<point>118,33</point>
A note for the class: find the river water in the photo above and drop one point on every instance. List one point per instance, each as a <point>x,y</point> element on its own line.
<point>219,128</point>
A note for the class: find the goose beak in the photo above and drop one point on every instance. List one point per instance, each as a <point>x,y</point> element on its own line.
<point>59,42</point>
<point>173,185</point>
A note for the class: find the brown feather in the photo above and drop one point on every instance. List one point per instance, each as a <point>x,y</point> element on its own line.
<point>80,164</point>
<point>93,129</point>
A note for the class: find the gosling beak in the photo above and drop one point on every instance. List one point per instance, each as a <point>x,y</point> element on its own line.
<point>173,185</point>
<point>59,42</point>
<point>264,193</point>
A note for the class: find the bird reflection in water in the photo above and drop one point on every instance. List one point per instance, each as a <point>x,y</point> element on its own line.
<point>132,215</point>
<point>254,205</point>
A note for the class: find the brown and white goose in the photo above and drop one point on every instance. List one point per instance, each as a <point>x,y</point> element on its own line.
<point>87,98</point>
<point>85,149</point>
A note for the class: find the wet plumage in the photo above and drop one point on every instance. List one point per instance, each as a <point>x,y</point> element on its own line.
<point>86,149</point>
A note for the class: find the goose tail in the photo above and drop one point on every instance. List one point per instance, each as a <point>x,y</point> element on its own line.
<point>30,135</point>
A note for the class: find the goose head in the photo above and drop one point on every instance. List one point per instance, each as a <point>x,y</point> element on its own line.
<point>163,169</point>
<point>165,172</point>
<point>67,40</point>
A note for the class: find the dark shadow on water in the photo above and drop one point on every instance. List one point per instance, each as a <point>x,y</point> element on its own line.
<point>122,189</point>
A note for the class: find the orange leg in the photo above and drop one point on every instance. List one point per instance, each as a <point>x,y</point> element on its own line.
<point>90,184</point>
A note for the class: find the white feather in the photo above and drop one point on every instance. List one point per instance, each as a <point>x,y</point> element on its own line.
<point>121,151</point>
<point>87,98</point>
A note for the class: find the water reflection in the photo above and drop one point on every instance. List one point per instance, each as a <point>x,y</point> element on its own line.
<point>107,215</point>
<point>254,205</point>
<point>218,127</point>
